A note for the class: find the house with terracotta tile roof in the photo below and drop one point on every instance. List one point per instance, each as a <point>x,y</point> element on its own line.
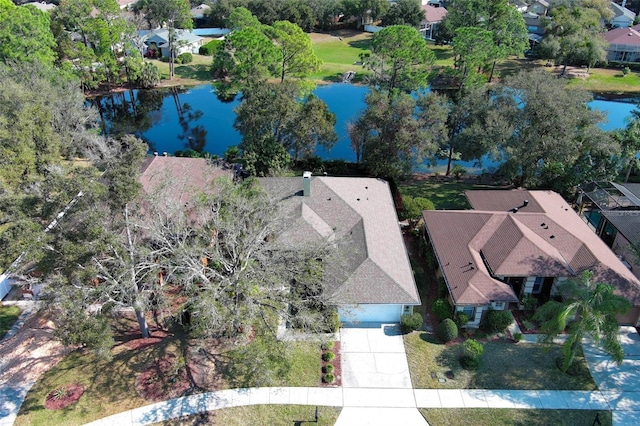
<point>374,281</point>
<point>520,242</point>
<point>624,44</point>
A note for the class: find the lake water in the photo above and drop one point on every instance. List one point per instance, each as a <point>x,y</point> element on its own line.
<point>177,119</point>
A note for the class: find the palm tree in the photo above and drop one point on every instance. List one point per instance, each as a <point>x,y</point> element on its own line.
<point>589,309</point>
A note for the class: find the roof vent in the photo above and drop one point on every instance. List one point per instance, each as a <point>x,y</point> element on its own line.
<point>306,184</point>
<point>525,203</point>
<point>552,237</point>
<point>514,210</point>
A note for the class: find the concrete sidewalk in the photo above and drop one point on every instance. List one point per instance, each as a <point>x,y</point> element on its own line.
<point>369,406</point>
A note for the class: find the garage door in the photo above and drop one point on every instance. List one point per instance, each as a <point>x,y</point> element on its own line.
<point>370,313</point>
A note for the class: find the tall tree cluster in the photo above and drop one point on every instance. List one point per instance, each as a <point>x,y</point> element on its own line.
<point>574,35</point>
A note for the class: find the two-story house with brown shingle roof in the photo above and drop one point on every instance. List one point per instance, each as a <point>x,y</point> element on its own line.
<point>516,243</point>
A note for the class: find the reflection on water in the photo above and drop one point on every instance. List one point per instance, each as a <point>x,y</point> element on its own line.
<point>176,119</point>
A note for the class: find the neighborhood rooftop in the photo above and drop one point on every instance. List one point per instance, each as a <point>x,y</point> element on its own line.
<point>358,214</point>
<point>506,236</point>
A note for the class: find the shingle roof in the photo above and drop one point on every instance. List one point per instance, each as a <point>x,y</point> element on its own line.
<point>618,10</point>
<point>627,222</point>
<point>181,175</point>
<point>549,239</point>
<point>433,14</point>
<point>359,214</point>
<point>628,36</point>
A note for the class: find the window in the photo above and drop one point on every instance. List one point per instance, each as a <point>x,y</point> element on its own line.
<point>470,311</point>
<point>498,305</point>
<point>537,285</point>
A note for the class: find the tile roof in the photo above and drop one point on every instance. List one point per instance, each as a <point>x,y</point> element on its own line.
<point>545,238</point>
<point>359,214</point>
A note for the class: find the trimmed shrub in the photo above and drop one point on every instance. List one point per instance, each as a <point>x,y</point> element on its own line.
<point>328,368</point>
<point>328,378</point>
<point>441,309</point>
<point>333,321</point>
<point>185,58</point>
<point>470,352</point>
<point>496,321</point>
<point>210,48</point>
<point>461,319</point>
<point>528,325</point>
<point>517,337</point>
<point>458,171</point>
<point>410,322</point>
<point>328,356</point>
<point>327,346</point>
<point>447,330</point>
<point>412,207</point>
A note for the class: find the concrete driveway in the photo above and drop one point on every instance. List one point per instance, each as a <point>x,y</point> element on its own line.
<point>620,384</point>
<point>373,356</point>
<point>608,375</point>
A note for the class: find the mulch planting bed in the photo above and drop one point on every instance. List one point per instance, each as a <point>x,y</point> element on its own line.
<point>156,336</point>
<point>63,396</point>
<point>162,380</point>
<point>337,367</point>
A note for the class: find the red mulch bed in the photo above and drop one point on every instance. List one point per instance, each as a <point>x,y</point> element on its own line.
<point>156,336</point>
<point>72,393</point>
<point>519,316</point>
<point>337,367</point>
<point>162,380</point>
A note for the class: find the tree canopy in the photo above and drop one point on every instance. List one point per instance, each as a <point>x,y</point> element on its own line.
<point>546,132</point>
<point>395,131</point>
<point>589,310</point>
<point>400,59</point>
<point>25,35</point>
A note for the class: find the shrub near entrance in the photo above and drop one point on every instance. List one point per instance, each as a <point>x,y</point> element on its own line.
<point>447,330</point>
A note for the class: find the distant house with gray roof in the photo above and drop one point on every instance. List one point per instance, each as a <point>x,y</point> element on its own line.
<point>622,17</point>
<point>517,243</point>
<point>185,41</point>
<point>374,281</point>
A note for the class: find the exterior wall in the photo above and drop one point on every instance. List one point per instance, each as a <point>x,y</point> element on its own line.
<point>527,287</point>
<point>621,22</point>
<point>475,321</point>
<point>554,287</point>
<point>623,53</point>
<point>631,317</point>
<point>622,248</point>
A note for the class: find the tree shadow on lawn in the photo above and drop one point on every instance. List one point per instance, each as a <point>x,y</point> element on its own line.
<point>360,44</point>
<point>507,365</point>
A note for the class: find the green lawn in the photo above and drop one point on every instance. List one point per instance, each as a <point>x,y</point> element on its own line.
<point>444,54</point>
<point>110,385</point>
<point>8,316</point>
<point>505,365</point>
<point>263,415</point>
<point>603,80</point>
<point>197,72</point>
<point>444,195</point>
<point>340,52</point>
<point>509,417</point>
